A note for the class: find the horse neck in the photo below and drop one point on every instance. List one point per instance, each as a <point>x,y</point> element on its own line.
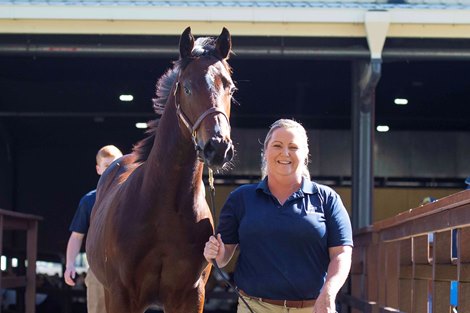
<point>173,156</point>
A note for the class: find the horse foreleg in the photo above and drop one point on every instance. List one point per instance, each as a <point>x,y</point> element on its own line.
<point>106,300</point>
<point>118,301</point>
<point>191,302</point>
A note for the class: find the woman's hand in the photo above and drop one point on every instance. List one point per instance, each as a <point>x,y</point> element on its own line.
<point>324,304</point>
<point>214,249</point>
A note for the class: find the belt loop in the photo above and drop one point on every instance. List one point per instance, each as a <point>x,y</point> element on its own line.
<point>285,304</point>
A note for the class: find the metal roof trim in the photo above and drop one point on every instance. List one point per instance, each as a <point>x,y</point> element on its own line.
<point>235,14</point>
<point>347,4</point>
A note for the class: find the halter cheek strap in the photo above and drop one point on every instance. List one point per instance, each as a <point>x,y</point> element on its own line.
<point>187,122</point>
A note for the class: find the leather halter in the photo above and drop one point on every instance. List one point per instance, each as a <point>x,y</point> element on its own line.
<point>187,122</point>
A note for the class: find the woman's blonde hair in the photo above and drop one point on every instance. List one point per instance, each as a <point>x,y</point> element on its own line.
<point>286,124</point>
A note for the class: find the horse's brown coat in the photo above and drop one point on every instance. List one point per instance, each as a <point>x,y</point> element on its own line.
<point>151,219</point>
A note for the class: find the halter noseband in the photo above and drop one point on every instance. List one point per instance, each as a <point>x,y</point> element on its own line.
<point>187,122</point>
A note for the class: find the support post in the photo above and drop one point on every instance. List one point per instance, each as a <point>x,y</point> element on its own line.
<point>365,77</point>
<point>363,102</point>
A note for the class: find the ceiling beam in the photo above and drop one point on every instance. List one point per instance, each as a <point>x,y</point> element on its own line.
<point>136,51</point>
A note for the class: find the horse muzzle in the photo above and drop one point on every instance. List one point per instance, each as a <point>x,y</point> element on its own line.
<point>217,151</point>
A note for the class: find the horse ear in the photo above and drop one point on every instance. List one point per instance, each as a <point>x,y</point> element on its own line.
<point>186,43</point>
<point>224,44</point>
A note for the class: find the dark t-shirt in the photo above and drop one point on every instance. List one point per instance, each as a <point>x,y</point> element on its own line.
<point>284,248</point>
<point>81,220</point>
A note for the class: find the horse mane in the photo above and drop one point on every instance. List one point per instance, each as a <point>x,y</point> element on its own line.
<point>163,88</point>
<point>142,149</point>
<point>202,46</point>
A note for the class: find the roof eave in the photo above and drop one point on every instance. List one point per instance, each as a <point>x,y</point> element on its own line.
<point>347,22</point>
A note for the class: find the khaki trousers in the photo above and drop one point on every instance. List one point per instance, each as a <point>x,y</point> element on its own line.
<point>94,294</point>
<point>263,307</point>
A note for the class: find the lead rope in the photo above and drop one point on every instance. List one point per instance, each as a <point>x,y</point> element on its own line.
<point>214,262</point>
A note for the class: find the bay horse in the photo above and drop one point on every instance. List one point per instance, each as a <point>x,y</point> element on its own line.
<point>151,219</point>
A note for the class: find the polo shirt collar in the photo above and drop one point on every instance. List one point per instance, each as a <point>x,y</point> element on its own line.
<point>263,186</point>
<point>307,187</point>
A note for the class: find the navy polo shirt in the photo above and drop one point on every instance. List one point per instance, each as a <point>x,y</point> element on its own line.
<point>284,248</point>
<point>81,220</point>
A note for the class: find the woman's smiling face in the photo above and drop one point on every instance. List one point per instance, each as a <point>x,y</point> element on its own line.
<point>286,152</point>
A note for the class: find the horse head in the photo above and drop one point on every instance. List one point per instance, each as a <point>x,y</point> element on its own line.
<point>203,94</point>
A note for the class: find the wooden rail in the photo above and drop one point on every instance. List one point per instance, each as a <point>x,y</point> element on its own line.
<point>407,263</point>
<point>14,221</point>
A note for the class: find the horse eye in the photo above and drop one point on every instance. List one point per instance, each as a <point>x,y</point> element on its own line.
<point>187,90</point>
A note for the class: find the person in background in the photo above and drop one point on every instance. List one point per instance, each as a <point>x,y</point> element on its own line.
<point>427,200</point>
<point>294,235</point>
<point>79,228</point>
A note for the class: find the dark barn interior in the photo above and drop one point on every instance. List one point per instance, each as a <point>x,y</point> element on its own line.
<point>59,105</point>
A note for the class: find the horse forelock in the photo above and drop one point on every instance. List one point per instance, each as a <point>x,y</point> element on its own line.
<point>206,46</point>
<point>203,46</point>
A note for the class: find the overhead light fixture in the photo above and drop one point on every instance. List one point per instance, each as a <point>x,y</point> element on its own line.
<point>126,98</point>
<point>141,125</point>
<point>401,101</point>
<point>383,128</point>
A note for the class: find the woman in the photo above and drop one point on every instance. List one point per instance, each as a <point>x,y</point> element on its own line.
<point>294,235</point>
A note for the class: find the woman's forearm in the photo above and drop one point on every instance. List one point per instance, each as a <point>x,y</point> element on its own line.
<point>338,270</point>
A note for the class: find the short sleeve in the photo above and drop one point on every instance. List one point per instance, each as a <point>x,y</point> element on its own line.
<point>338,222</point>
<point>81,219</point>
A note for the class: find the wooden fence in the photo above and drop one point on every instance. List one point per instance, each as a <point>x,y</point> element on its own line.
<point>409,262</point>
<point>10,222</point>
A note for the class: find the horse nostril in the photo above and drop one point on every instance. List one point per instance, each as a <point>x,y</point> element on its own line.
<point>217,152</point>
<point>209,150</point>
<point>229,152</point>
